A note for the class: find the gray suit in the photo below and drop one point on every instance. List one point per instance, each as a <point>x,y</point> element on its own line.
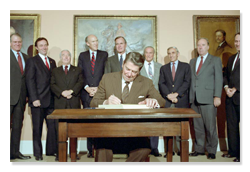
<point>156,74</point>
<point>112,65</point>
<point>204,87</point>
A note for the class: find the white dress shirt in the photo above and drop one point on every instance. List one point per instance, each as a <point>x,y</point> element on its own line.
<point>15,53</point>
<point>198,61</point>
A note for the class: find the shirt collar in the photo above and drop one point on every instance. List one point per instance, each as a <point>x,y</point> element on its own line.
<point>146,63</point>
<point>42,56</point>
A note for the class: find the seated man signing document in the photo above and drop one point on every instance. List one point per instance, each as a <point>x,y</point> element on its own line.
<point>126,87</point>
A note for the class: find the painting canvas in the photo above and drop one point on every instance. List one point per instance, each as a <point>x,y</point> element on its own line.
<point>27,25</point>
<point>139,32</point>
<point>210,26</point>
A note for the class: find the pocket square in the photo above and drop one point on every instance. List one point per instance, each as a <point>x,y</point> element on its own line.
<point>141,97</point>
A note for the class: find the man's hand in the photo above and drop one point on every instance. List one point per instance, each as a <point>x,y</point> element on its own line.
<point>66,93</point>
<point>217,101</point>
<point>172,96</point>
<point>150,103</point>
<point>36,103</point>
<point>112,100</point>
<point>91,91</point>
<point>69,97</point>
<point>230,91</point>
<point>175,100</point>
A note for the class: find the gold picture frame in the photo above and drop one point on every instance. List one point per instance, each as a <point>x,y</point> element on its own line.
<point>139,32</point>
<point>25,24</point>
<point>206,26</point>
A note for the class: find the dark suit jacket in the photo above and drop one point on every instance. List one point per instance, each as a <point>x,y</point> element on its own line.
<point>111,84</point>
<point>17,80</point>
<point>72,81</point>
<point>208,83</point>
<point>232,78</point>
<point>180,85</point>
<point>84,63</point>
<point>38,81</point>
<point>113,64</point>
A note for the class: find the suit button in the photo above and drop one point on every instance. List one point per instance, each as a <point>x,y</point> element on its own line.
<point>172,85</point>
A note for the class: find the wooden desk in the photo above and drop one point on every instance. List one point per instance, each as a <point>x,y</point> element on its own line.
<point>93,123</point>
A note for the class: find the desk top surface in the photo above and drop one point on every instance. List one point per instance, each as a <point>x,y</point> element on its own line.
<point>123,113</point>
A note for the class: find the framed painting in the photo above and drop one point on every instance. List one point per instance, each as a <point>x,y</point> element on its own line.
<point>220,31</point>
<point>139,32</point>
<point>28,26</point>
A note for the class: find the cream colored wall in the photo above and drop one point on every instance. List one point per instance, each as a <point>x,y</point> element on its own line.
<point>174,28</point>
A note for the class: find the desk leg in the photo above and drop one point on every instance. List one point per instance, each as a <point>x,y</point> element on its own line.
<point>62,141</point>
<point>73,144</point>
<point>170,149</point>
<point>184,141</point>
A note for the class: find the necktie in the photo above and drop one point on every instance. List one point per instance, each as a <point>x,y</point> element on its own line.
<point>121,61</point>
<point>173,71</point>
<point>125,92</point>
<point>20,62</point>
<point>46,63</point>
<point>200,65</point>
<point>93,63</point>
<point>66,70</point>
<point>150,74</point>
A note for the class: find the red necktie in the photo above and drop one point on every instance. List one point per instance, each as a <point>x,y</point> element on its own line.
<point>173,71</point>
<point>20,62</point>
<point>66,70</point>
<point>200,65</point>
<point>46,63</point>
<point>93,63</point>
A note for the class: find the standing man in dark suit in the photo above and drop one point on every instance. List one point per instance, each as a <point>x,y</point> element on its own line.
<point>231,84</point>
<point>66,83</point>
<point>174,83</point>
<point>38,74</point>
<point>114,63</point>
<point>205,97</point>
<point>18,94</point>
<point>92,63</point>
<point>151,70</point>
<point>127,87</point>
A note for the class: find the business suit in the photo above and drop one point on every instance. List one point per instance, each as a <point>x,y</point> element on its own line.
<point>18,96</point>
<point>142,88</point>
<point>91,80</point>
<point>180,85</point>
<point>156,73</point>
<point>38,86</point>
<point>232,79</point>
<point>204,87</point>
<point>113,64</point>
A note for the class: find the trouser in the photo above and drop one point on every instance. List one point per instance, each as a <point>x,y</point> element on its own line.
<point>17,114</point>
<point>138,155</point>
<point>38,116</point>
<point>233,132</point>
<point>206,125</point>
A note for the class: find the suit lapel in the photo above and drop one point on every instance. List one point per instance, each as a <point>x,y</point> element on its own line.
<point>178,71</point>
<point>14,61</point>
<point>136,87</point>
<point>70,75</point>
<point>41,63</point>
<point>169,72</point>
<point>205,64</point>
<point>97,62</point>
<point>117,87</point>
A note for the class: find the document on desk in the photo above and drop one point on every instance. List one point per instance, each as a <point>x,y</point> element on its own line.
<point>124,106</point>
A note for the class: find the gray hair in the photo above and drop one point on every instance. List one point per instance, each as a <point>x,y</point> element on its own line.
<point>205,39</point>
<point>64,50</point>
<point>174,48</point>
<point>15,34</point>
